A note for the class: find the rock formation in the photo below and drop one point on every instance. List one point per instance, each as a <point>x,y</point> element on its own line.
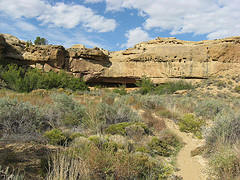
<point>158,59</point>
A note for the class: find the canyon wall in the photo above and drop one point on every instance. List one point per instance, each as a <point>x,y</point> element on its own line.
<point>160,59</point>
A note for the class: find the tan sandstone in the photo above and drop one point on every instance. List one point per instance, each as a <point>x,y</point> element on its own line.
<point>160,59</point>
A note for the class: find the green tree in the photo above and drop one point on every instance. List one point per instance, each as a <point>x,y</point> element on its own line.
<point>40,41</point>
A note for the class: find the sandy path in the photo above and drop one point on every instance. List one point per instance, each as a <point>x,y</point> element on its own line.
<point>191,168</point>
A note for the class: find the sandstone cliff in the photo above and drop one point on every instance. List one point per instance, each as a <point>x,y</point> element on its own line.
<point>158,59</point>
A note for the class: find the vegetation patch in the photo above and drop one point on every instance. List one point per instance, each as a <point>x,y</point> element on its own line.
<point>125,128</point>
<point>146,87</point>
<point>165,145</point>
<point>225,164</point>
<point>55,137</point>
<point>26,80</point>
<point>190,124</point>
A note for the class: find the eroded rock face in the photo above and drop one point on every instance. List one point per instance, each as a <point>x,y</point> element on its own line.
<point>50,54</point>
<point>158,59</point>
<point>165,58</point>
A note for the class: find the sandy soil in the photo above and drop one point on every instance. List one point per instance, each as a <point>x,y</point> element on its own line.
<point>191,168</point>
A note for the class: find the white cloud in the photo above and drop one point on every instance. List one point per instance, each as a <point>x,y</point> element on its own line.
<point>93,1</point>
<point>60,14</point>
<point>215,18</point>
<point>135,36</point>
<point>25,26</point>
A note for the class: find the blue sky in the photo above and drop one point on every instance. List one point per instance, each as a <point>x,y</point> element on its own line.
<point>119,24</point>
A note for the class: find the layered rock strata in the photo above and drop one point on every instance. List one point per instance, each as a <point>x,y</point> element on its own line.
<point>158,59</point>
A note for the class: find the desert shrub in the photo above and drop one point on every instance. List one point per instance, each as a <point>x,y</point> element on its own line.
<point>150,101</point>
<point>116,113</point>
<point>164,112</point>
<point>70,112</point>
<point>55,137</point>
<point>26,80</point>
<point>190,124</point>
<point>225,163</point>
<point>226,129</point>
<point>109,164</point>
<point>209,108</point>
<point>153,122</point>
<point>146,85</point>
<point>19,119</point>
<point>121,90</point>
<point>171,87</point>
<point>165,145</point>
<point>124,128</point>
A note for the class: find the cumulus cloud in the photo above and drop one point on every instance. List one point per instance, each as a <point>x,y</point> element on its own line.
<point>60,14</point>
<point>214,18</point>
<point>135,36</point>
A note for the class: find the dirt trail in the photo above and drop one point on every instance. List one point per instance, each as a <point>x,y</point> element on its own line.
<point>191,168</point>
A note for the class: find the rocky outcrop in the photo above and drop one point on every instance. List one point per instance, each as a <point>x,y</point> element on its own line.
<point>165,58</point>
<point>80,61</point>
<point>158,59</point>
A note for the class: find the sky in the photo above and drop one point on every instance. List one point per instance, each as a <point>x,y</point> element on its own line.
<point>119,24</point>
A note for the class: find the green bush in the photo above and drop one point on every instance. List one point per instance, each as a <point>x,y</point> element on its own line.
<point>171,87</point>
<point>190,124</point>
<point>166,145</point>
<point>55,137</point>
<point>26,80</point>
<point>120,128</point>
<point>40,41</point>
<point>146,85</point>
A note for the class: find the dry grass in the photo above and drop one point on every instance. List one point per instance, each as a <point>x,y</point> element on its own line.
<point>64,166</point>
<point>157,123</point>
